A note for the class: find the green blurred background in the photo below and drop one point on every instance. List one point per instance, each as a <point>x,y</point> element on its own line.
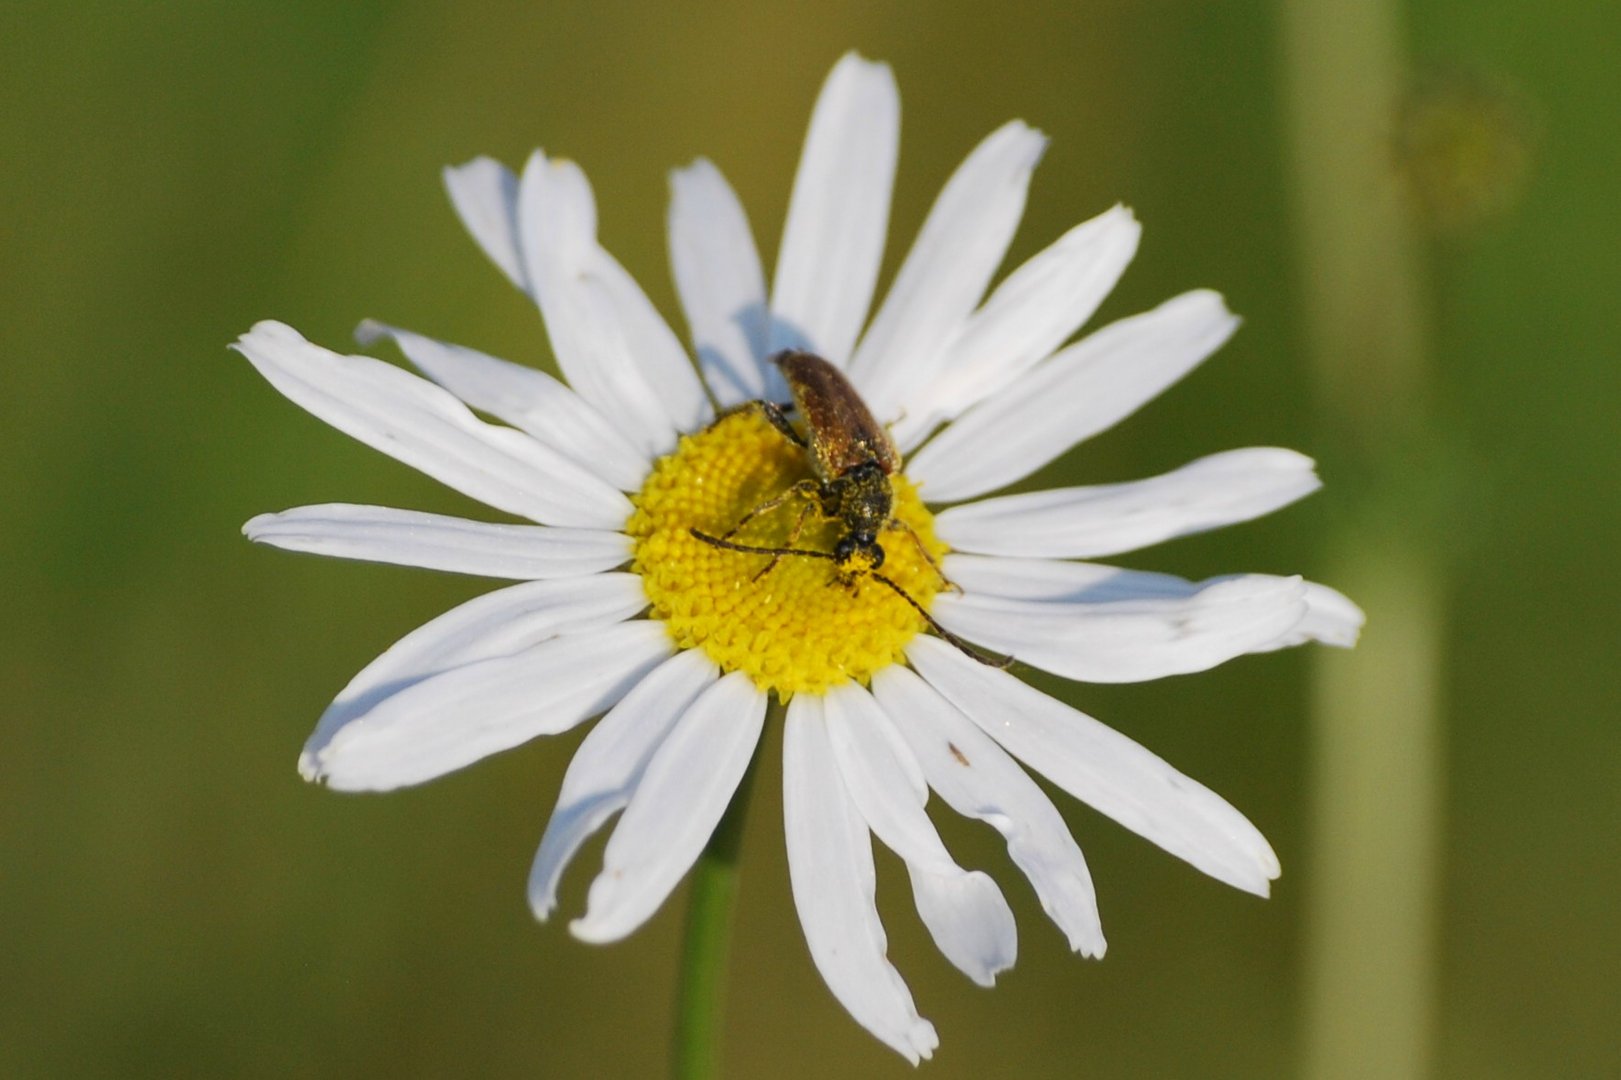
<point>176,902</point>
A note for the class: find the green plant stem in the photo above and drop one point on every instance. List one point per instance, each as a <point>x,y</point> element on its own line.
<point>1369,984</point>
<point>700,993</point>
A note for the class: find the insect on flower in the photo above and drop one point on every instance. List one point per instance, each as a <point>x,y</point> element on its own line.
<point>853,458</point>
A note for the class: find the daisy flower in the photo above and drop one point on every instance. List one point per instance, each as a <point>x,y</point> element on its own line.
<point>623,611</point>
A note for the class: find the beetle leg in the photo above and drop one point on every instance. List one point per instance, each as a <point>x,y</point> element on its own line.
<point>793,538</point>
<point>804,489</point>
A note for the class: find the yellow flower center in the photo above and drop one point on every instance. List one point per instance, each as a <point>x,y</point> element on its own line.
<point>803,626</point>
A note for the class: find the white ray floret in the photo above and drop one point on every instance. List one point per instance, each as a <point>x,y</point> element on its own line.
<point>490,626</point>
<point>485,195</point>
<point>834,884</point>
<point>722,288</point>
<point>1033,311</point>
<point>977,779</point>
<point>677,804</point>
<point>945,274</point>
<point>1132,640</point>
<point>1330,617</point>
<point>451,719</point>
<point>418,423</point>
<point>609,764</point>
<point>964,911</point>
<point>1083,390</point>
<point>530,400</point>
<point>833,237</point>
<point>612,345</point>
<point>437,542</point>
<point>1102,768</point>
<point>1107,519</point>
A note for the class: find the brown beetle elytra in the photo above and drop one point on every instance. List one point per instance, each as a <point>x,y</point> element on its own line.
<point>853,458</point>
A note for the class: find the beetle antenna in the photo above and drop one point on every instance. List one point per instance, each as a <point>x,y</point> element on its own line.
<point>752,549</point>
<point>962,646</point>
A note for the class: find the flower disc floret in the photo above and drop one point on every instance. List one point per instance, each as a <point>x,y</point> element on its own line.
<point>802,627</point>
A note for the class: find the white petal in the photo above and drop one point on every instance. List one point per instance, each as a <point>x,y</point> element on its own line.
<point>833,239</point>
<point>945,274</point>
<point>679,801</point>
<point>610,342</point>
<point>1086,389</point>
<point>452,719</point>
<point>485,195</point>
<point>416,422</point>
<point>1131,640</point>
<point>1049,579</point>
<point>969,920</point>
<point>883,779</point>
<point>965,912</point>
<point>977,779</point>
<point>1085,522</point>
<point>717,273</point>
<point>610,763</point>
<point>496,624</point>
<point>437,542</point>
<point>1029,315</point>
<point>1331,618</point>
<point>529,400</point>
<point>830,869</point>
<point>1102,768</point>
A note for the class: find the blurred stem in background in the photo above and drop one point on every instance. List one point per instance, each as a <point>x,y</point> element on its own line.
<point>1371,942</point>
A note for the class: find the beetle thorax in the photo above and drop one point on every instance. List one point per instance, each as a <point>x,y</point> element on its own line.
<point>862,499</point>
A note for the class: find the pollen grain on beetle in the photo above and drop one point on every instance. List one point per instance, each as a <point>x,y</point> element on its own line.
<point>796,629</point>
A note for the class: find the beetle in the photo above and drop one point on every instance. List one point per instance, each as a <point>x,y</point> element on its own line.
<point>852,458</point>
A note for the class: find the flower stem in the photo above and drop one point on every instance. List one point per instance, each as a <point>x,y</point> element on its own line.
<point>700,997</point>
